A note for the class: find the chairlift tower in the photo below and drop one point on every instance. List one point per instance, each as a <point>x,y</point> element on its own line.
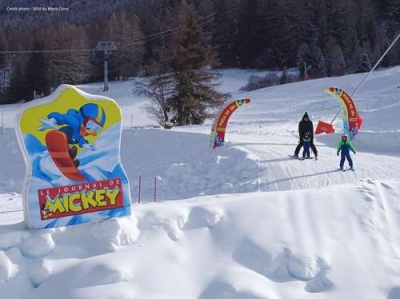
<point>107,47</point>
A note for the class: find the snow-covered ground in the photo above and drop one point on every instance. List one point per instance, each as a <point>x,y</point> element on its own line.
<point>241,221</point>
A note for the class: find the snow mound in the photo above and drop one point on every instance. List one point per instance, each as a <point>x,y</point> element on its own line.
<point>115,233</point>
<point>38,272</point>
<point>226,290</point>
<point>175,225</point>
<point>8,269</point>
<point>284,266</point>
<point>37,245</point>
<point>320,284</point>
<point>11,239</point>
<point>187,167</point>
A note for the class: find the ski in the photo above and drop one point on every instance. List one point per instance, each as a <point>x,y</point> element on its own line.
<point>298,158</point>
<point>303,158</point>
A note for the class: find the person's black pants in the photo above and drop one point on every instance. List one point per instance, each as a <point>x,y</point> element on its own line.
<point>300,145</point>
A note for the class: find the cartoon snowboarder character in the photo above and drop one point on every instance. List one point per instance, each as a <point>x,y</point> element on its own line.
<point>67,131</point>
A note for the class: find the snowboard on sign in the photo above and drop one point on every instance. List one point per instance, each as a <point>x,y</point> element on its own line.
<point>57,145</point>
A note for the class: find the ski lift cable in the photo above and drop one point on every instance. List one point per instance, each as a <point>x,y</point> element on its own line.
<point>200,21</point>
<point>44,51</point>
<point>370,72</point>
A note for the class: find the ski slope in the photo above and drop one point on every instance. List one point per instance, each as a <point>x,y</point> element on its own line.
<point>241,221</point>
<point>261,130</point>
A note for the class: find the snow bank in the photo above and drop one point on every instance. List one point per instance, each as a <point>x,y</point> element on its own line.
<point>184,165</point>
<point>228,245</point>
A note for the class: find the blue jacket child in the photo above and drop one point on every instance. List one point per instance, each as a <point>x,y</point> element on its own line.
<point>306,145</point>
<point>345,147</point>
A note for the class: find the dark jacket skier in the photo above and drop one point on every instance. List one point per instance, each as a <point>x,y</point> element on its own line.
<point>306,125</point>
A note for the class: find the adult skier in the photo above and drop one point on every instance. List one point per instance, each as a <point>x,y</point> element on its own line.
<point>306,125</point>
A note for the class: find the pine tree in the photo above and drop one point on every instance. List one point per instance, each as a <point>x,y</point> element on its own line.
<point>2,48</point>
<point>225,29</point>
<point>310,58</point>
<point>126,33</point>
<point>276,30</point>
<point>3,65</point>
<point>194,85</point>
<point>335,62</point>
<point>36,73</point>
<point>246,43</point>
<point>18,90</point>
<point>186,89</point>
<point>289,36</point>
<point>392,9</point>
<point>68,67</point>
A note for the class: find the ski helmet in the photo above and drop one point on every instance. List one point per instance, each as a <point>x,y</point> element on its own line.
<point>345,136</point>
<point>93,112</point>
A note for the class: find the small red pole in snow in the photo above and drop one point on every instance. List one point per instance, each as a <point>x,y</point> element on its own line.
<point>140,183</point>
<point>155,189</point>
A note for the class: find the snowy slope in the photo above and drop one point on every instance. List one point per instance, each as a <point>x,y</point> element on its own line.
<point>221,229</point>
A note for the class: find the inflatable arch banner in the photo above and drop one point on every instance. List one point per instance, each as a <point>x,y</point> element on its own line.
<point>217,135</point>
<point>352,122</point>
<point>71,145</point>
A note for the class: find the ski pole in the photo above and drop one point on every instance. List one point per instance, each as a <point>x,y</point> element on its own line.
<point>293,134</point>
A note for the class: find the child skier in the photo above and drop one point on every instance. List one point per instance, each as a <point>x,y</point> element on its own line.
<point>306,145</point>
<point>345,147</point>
